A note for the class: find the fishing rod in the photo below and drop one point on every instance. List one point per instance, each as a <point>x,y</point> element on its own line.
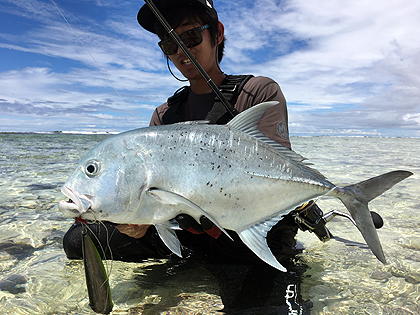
<point>194,61</point>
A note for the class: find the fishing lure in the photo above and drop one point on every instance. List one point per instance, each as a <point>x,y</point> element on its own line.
<point>97,283</point>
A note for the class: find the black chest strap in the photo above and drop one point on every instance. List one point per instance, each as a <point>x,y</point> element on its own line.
<point>172,116</point>
<point>231,87</point>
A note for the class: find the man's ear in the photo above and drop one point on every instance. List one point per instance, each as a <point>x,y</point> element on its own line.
<point>221,32</point>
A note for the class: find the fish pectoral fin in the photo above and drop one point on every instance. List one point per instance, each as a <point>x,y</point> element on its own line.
<point>168,237</point>
<point>255,239</point>
<point>170,198</point>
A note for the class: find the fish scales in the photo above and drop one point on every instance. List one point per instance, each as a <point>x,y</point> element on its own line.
<point>222,168</point>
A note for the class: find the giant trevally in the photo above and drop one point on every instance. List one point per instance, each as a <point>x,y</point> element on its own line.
<point>233,174</point>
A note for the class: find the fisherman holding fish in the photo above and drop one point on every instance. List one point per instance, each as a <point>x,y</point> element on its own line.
<point>196,22</point>
<point>229,194</point>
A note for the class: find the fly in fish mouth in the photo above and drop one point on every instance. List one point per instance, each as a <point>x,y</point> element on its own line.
<point>77,202</point>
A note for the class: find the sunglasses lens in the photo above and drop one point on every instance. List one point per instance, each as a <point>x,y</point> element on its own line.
<point>191,38</point>
<point>168,46</point>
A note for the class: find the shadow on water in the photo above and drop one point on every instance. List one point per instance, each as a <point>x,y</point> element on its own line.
<point>251,288</point>
<point>18,250</point>
<point>244,289</point>
<point>261,289</point>
<point>15,283</point>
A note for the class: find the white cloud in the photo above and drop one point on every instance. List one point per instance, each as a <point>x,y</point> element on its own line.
<point>342,65</point>
<point>352,54</point>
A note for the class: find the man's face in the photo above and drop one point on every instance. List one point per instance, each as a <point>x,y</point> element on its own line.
<point>205,53</point>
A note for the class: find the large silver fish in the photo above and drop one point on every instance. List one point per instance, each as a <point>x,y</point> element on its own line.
<point>233,174</point>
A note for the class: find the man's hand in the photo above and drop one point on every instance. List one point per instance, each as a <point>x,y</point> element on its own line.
<point>185,221</point>
<point>133,230</point>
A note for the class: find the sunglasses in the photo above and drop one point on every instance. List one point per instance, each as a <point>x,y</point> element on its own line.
<point>191,38</point>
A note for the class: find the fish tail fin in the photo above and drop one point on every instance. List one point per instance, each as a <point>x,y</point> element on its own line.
<point>356,198</point>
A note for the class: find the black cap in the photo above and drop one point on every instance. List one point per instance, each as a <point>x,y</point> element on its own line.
<point>147,19</point>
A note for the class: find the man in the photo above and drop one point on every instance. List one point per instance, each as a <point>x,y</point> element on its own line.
<point>204,34</point>
<point>196,22</point>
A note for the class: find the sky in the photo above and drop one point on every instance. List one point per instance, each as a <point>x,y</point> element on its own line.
<point>346,67</point>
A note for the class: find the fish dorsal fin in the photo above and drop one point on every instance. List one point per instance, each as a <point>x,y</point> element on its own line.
<point>250,117</point>
<point>247,122</point>
<point>194,122</point>
<point>255,238</point>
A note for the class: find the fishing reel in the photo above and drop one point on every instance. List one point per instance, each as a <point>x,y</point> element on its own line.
<point>309,217</point>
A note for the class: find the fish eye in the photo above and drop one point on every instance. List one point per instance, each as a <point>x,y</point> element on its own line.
<point>92,168</point>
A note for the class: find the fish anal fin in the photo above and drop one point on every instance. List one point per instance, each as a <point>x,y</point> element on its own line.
<point>255,239</point>
<point>169,238</point>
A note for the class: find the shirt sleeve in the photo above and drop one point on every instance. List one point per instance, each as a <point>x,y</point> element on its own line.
<point>156,119</point>
<point>274,122</point>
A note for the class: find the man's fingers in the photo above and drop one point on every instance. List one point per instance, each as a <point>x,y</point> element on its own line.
<point>133,230</point>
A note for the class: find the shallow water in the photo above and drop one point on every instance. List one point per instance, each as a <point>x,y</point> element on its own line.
<point>37,278</point>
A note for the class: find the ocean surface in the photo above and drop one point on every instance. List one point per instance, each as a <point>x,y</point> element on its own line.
<point>37,278</point>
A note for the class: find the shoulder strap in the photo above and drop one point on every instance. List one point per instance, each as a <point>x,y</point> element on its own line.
<point>231,87</point>
<point>171,115</point>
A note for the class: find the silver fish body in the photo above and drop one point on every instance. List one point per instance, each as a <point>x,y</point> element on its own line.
<point>233,174</point>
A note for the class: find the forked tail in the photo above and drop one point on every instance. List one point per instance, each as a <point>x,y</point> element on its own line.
<point>356,198</point>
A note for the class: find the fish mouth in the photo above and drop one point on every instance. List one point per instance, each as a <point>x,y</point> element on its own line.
<point>77,205</point>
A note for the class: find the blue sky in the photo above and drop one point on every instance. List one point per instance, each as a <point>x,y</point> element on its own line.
<point>345,67</point>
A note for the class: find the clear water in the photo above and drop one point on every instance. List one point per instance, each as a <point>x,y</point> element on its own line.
<point>37,278</point>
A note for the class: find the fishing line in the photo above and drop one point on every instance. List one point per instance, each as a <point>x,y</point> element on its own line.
<point>85,226</point>
<point>108,238</point>
<point>169,68</point>
<point>97,64</point>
